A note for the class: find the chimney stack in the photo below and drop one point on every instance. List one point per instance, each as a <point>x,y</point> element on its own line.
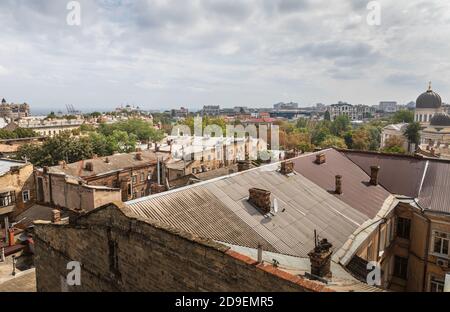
<point>339,184</point>
<point>56,216</point>
<point>260,199</point>
<point>139,156</point>
<point>89,166</point>
<point>243,165</point>
<point>107,160</point>
<point>320,258</point>
<point>374,170</point>
<point>321,159</point>
<point>287,167</point>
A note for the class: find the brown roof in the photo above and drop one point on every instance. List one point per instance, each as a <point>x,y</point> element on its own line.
<point>422,178</point>
<point>218,209</point>
<point>116,162</point>
<point>357,192</point>
<point>398,174</point>
<point>435,191</point>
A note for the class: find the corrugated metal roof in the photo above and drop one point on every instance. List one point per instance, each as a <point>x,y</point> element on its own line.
<point>399,175</point>
<point>115,163</point>
<point>435,192</point>
<point>425,179</point>
<point>357,192</point>
<point>218,209</point>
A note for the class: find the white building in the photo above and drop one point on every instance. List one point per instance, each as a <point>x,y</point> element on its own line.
<point>354,112</point>
<point>395,130</point>
<point>388,106</point>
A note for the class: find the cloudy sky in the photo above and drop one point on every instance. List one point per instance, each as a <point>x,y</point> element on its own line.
<point>162,54</point>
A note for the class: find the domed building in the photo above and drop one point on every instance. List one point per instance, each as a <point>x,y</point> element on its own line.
<point>435,133</point>
<point>428,104</point>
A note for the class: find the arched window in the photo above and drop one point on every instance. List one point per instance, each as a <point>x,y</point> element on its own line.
<point>420,118</point>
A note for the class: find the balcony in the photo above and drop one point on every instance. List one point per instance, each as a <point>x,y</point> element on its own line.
<point>7,201</point>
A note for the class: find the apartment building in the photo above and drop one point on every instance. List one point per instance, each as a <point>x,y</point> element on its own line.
<point>14,111</point>
<point>353,112</point>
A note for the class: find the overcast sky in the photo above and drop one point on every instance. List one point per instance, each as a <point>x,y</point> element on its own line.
<point>162,54</point>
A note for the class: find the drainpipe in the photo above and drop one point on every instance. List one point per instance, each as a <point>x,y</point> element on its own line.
<point>379,231</point>
<point>427,249</point>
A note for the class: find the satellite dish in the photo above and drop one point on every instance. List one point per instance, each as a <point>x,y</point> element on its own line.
<point>275,205</point>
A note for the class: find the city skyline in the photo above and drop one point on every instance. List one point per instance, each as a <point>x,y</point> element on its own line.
<point>158,55</point>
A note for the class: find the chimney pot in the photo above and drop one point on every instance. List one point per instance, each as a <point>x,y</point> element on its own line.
<point>374,170</point>
<point>339,184</point>
<point>321,159</point>
<point>56,216</point>
<point>260,199</point>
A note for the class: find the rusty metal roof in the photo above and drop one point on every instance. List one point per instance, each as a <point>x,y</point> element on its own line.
<point>218,209</point>
<point>116,162</point>
<point>399,174</point>
<point>357,192</point>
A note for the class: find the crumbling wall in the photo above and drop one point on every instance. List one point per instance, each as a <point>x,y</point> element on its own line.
<point>118,253</point>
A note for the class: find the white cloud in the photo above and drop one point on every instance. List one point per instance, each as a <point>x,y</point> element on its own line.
<point>169,53</point>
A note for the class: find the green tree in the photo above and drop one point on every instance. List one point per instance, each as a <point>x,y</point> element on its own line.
<point>403,116</point>
<point>333,141</point>
<point>327,116</point>
<point>340,125</point>
<point>412,134</point>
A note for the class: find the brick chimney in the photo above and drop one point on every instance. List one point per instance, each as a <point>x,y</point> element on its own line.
<point>260,199</point>
<point>56,216</point>
<point>374,170</point>
<point>243,165</point>
<point>287,167</point>
<point>321,159</point>
<point>89,166</point>
<point>338,185</point>
<point>320,258</point>
<point>139,156</point>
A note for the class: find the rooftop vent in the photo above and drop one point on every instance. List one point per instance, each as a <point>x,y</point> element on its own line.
<point>89,166</point>
<point>321,159</point>
<point>374,170</point>
<point>260,199</point>
<point>287,167</point>
<point>139,156</point>
<point>107,160</point>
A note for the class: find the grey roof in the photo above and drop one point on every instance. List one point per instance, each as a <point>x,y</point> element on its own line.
<point>440,120</point>
<point>6,164</point>
<point>357,192</point>
<point>218,209</point>
<point>429,99</point>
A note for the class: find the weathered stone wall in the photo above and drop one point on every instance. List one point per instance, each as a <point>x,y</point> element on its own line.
<point>118,253</point>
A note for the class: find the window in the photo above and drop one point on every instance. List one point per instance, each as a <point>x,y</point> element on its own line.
<point>400,267</point>
<point>142,176</point>
<point>441,243</point>
<point>26,196</point>
<point>403,227</point>
<point>436,285</point>
<point>134,179</point>
<point>143,193</point>
<point>129,189</point>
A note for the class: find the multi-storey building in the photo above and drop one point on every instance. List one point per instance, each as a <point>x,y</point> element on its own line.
<point>388,106</point>
<point>50,128</point>
<point>134,174</point>
<point>17,189</point>
<point>211,110</point>
<point>353,112</point>
<point>14,111</point>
